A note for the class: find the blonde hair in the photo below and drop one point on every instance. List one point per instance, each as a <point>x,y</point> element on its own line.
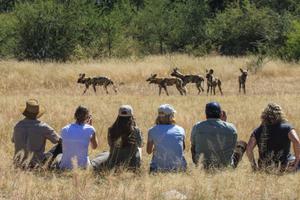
<point>166,119</point>
<point>273,114</point>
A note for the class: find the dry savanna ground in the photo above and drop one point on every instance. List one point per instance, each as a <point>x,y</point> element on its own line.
<point>54,85</point>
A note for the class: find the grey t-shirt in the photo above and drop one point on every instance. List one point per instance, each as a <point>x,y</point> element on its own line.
<point>30,137</point>
<point>215,139</point>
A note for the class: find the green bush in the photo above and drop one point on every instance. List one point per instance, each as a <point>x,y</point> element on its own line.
<point>292,48</point>
<point>239,31</point>
<point>50,30</point>
<point>8,35</point>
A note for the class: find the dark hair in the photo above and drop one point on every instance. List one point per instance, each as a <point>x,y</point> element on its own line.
<point>213,110</point>
<point>213,115</point>
<point>121,129</point>
<point>81,114</point>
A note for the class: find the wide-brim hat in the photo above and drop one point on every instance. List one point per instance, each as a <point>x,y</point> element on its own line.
<point>33,109</point>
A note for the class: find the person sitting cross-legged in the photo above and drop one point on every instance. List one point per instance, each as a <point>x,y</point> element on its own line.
<point>30,136</point>
<point>216,140</point>
<point>274,137</point>
<point>166,141</point>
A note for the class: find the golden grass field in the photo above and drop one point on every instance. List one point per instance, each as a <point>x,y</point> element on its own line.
<point>54,85</point>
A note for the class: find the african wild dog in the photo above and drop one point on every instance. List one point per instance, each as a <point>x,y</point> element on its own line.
<point>189,79</point>
<point>164,82</point>
<point>100,80</point>
<point>242,80</point>
<point>213,82</point>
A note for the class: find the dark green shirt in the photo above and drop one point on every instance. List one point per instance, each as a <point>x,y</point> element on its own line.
<point>215,140</point>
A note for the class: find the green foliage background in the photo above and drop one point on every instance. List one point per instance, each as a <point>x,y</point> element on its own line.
<point>80,29</point>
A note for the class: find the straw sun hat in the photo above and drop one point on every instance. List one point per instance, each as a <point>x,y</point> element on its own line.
<point>33,109</point>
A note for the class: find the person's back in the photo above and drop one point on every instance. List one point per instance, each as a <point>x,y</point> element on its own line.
<point>216,140</point>
<point>126,154</point>
<point>30,138</point>
<point>76,139</point>
<point>168,140</point>
<point>274,147</point>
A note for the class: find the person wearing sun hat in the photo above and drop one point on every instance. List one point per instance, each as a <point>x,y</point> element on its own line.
<point>125,140</point>
<point>216,140</point>
<point>30,135</point>
<point>166,141</point>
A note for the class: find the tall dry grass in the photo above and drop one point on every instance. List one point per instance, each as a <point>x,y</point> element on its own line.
<point>54,85</point>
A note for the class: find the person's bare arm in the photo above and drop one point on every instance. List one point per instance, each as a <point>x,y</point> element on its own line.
<point>94,141</point>
<point>296,146</point>
<point>250,147</point>
<point>150,146</point>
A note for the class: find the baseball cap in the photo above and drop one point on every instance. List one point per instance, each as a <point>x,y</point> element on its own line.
<point>125,111</point>
<point>213,109</point>
<point>166,109</point>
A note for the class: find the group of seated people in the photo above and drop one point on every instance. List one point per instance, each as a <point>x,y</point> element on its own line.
<point>214,143</point>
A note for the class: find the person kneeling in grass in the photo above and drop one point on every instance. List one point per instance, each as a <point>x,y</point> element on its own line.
<point>273,138</point>
<point>166,141</point>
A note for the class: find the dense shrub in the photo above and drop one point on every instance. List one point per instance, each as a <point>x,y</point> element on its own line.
<point>8,35</point>
<point>238,31</point>
<point>292,48</point>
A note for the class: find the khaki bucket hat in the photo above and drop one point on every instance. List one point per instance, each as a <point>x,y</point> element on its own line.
<point>33,109</point>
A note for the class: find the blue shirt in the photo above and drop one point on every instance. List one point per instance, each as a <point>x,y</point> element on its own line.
<point>75,144</point>
<point>168,147</point>
<point>215,140</point>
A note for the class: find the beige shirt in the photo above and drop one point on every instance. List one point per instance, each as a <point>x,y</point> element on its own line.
<point>30,137</point>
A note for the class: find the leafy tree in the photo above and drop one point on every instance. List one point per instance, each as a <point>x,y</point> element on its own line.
<point>238,31</point>
<point>292,48</point>
<point>49,30</point>
<point>279,6</point>
<point>8,36</point>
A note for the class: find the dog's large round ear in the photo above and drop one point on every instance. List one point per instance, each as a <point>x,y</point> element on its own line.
<point>206,70</point>
<point>241,70</point>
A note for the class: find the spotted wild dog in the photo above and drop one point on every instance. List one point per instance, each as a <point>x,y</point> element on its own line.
<point>197,79</point>
<point>164,82</point>
<point>213,82</point>
<point>242,80</point>
<point>100,80</point>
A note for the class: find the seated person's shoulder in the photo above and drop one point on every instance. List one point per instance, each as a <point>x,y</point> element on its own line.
<point>89,127</point>
<point>200,124</point>
<point>179,128</point>
<point>44,125</point>
<point>153,128</point>
<point>230,126</point>
<point>286,126</point>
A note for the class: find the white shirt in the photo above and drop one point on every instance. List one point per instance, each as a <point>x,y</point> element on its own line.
<point>75,144</point>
